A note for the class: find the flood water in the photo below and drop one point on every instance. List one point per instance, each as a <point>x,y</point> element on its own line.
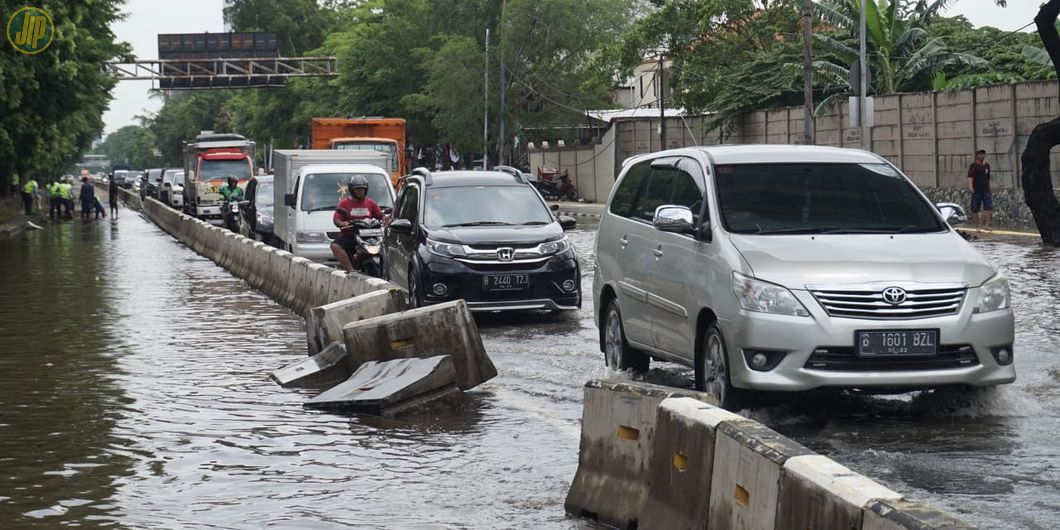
<point>134,394</point>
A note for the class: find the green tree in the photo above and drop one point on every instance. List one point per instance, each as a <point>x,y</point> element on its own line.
<point>300,25</point>
<point>52,102</point>
<point>133,145</point>
<point>181,118</point>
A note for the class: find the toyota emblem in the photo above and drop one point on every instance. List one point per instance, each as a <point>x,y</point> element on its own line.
<point>894,295</point>
<point>506,253</point>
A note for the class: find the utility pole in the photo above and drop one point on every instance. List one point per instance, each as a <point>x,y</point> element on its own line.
<point>486,107</point>
<point>863,96</point>
<point>662,101</point>
<point>501,139</point>
<point>807,74</point>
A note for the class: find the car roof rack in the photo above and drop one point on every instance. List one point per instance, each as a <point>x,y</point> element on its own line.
<point>515,172</point>
<point>425,173</point>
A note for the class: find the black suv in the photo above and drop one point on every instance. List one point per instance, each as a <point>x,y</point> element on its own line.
<point>485,236</point>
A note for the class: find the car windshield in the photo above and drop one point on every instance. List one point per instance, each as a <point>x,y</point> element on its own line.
<point>382,147</point>
<point>820,199</point>
<point>323,191</point>
<point>264,194</point>
<point>484,205</point>
<point>222,169</point>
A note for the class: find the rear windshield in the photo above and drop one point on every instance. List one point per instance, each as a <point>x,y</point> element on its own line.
<point>264,194</point>
<point>484,205</point>
<point>382,147</point>
<point>323,191</point>
<point>820,199</point>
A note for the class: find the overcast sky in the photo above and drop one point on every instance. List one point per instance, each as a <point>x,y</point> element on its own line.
<point>147,18</point>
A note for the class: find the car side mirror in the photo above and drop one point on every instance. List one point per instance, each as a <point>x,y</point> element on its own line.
<point>953,213</point>
<point>288,200</point>
<point>554,207</point>
<point>401,226</point>
<point>567,222</point>
<point>670,218</point>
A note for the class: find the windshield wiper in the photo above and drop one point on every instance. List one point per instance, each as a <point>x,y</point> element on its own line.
<point>321,209</point>
<point>478,223</point>
<point>535,223</point>
<point>797,230</point>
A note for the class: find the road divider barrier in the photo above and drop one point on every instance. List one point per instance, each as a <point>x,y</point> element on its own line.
<point>295,283</point>
<point>392,387</point>
<point>653,457</point>
<point>324,323</point>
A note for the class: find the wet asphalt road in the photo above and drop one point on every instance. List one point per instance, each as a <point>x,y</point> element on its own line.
<point>134,394</point>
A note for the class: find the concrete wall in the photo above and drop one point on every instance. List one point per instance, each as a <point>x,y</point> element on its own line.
<point>293,282</point>
<point>931,136</point>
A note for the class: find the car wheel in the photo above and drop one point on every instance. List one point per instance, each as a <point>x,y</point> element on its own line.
<point>618,354</point>
<point>712,371</point>
<point>415,296</point>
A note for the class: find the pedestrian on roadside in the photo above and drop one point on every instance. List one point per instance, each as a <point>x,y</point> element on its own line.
<point>87,198</point>
<point>29,195</point>
<point>979,185</point>
<point>112,194</point>
<point>54,198</point>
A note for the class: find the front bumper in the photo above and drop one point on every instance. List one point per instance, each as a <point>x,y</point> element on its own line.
<point>463,280</point>
<point>819,350</point>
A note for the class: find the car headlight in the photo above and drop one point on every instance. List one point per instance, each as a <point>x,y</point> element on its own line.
<point>555,247</point>
<point>764,297</point>
<point>310,237</point>
<point>445,249</point>
<point>993,295</point>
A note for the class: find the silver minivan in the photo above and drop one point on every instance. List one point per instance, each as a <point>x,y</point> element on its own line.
<point>789,268</point>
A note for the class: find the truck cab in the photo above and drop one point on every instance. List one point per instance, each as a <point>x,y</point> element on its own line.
<point>208,162</point>
<point>309,209</point>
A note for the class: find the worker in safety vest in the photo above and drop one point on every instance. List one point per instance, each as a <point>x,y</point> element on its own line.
<point>54,199</point>
<point>66,197</point>
<point>29,194</point>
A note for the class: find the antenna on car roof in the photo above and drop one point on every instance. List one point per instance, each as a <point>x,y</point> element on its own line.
<point>425,173</point>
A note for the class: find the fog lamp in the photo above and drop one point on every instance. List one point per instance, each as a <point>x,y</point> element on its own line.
<point>439,289</point>
<point>568,285</point>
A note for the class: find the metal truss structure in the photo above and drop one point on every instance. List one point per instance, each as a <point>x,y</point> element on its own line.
<point>191,74</point>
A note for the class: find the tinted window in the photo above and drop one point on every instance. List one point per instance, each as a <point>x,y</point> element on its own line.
<point>687,193</point>
<point>626,193</point>
<point>264,194</point>
<point>323,191</point>
<point>657,193</point>
<point>410,207</point>
<point>820,198</point>
<point>484,205</point>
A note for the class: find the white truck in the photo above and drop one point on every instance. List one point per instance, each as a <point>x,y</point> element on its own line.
<point>309,183</point>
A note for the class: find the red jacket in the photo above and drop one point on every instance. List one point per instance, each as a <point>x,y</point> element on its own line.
<point>352,210</point>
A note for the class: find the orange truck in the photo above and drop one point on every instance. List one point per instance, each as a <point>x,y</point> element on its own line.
<point>365,134</point>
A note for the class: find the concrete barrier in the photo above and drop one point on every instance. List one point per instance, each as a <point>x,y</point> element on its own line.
<point>335,287</point>
<point>682,464</point>
<point>258,268</point>
<point>817,492</point>
<point>323,369</point>
<point>392,387</point>
<point>909,515</point>
<point>617,440</point>
<point>318,285</point>
<point>443,329</point>
<point>745,484</point>
<point>295,297</point>
<point>324,323</point>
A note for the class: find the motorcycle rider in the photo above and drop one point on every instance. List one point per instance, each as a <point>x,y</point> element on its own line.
<point>357,205</point>
<point>231,192</point>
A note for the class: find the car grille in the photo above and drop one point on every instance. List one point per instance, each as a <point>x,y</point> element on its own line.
<point>843,359</point>
<point>870,303</point>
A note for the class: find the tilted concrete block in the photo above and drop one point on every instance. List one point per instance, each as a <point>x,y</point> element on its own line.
<point>909,515</point>
<point>443,329</point>
<point>323,369</point>
<point>392,387</point>
<point>324,323</point>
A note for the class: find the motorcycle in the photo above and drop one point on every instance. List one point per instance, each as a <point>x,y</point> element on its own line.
<point>231,215</point>
<point>369,237</point>
<point>555,186</point>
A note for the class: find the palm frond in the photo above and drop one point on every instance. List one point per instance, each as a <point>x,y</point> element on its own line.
<point>1037,55</point>
<point>845,52</point>
<point>908,39</point>
<point>834,14</point>
<point>829,103</point>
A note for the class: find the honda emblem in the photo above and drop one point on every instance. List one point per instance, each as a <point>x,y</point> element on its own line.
<point>506,253</point>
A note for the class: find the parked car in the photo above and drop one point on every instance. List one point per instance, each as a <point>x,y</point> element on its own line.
<point>149,184</point>
<point>257,210</point>
<point>130,179</point>
<point>485,236</point>
<point>119,176</point>
<point>788,268</point>
<point>171,191</point>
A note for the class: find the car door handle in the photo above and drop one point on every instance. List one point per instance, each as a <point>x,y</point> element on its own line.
<point>658,252</point>
<point>623,242</point>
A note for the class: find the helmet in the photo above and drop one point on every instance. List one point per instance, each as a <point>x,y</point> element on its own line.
<point>357,181</point>
<point>232,180</point>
